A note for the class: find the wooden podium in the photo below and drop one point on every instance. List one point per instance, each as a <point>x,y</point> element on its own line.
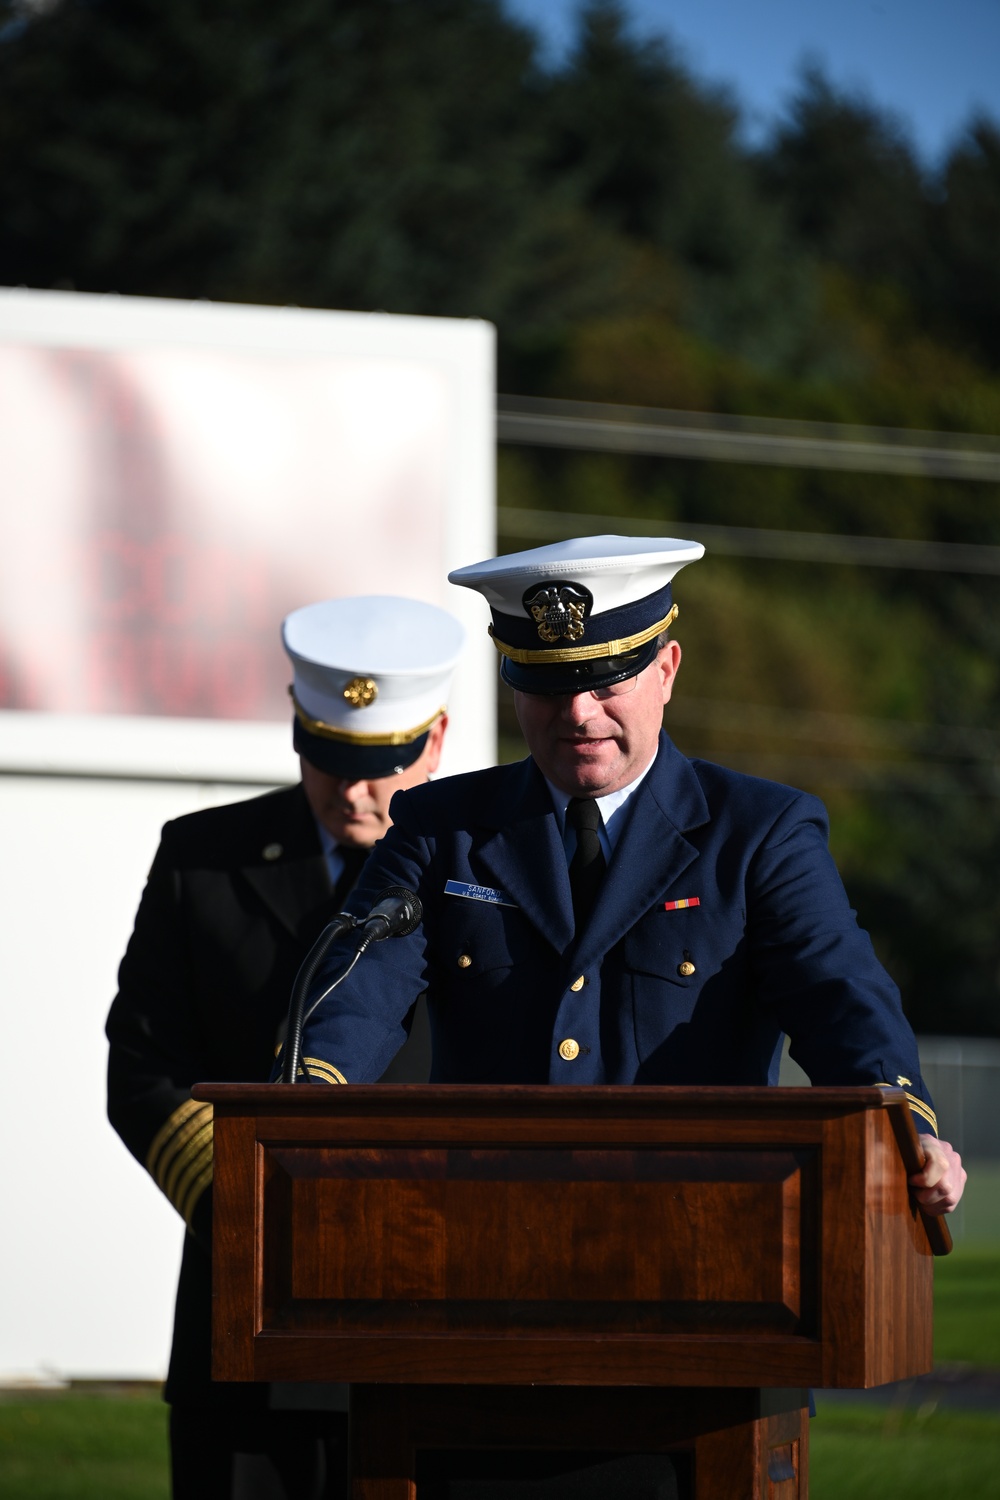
<point>610,1269</point>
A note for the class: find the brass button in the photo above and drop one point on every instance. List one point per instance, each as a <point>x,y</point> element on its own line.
<point>686,969</point>
<point>464,960</point>
<point>578,984</point>
<point>569,1049</point>
<point>272,851</point>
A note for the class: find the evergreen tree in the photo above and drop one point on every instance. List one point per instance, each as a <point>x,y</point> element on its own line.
<point>655,155</point>
<point>414,156</point>
<point>371,153</point>
<point>849,182</point>
<point>967,236</point>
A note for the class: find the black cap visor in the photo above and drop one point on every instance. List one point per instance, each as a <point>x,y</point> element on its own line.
<point>566,678</point>
<point>355,762</point>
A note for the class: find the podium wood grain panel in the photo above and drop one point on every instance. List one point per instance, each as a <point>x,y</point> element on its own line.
<point>237,1231</point>
<point>727,1237</point>
<point>604,1270</point>
<point>421,1219</point>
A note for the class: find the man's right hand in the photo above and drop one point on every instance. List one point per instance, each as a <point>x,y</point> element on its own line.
<point>939,1186</point>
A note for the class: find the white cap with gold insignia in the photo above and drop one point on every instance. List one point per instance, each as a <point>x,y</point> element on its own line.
<point>580,614</point>
<point>372,673</point>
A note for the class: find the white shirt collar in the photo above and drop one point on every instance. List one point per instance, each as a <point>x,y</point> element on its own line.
<point>612,811</point>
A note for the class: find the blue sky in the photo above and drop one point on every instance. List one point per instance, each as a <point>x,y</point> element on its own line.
<point>928,61</point>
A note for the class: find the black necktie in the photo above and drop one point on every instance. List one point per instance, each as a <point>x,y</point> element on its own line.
<point>587,866</point>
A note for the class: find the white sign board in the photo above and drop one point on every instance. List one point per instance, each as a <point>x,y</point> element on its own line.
<point>174,479</point>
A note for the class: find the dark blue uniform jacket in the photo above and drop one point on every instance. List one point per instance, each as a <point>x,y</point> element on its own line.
<point>648,993</point>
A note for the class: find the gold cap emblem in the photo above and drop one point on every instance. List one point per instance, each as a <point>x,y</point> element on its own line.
<point>560,611</point>
<point>361,691</point>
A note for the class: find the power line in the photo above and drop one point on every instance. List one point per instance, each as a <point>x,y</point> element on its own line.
<point>949,759</point>
<point>747,541</point>
<point>852,731</point>
<point>862,775</point>
<point>590,426</point>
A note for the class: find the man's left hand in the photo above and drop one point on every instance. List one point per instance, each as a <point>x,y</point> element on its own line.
<point>938,1187</point>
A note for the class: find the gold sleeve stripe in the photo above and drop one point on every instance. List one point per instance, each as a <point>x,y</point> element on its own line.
<point>167,1130</point>
<point>179,1148</point>
<point>180,1158</point>
<point>186,1205</point>
<point>924,1111</point>
<point>316,1067</point>
<point>195,1153</point>
<point>917,1105</point>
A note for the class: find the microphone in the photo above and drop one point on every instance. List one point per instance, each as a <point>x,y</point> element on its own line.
<point>342,922</point>
<point>396,913</point>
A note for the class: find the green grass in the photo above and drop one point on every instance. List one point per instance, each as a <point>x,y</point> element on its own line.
<point>862,1453</point>
<point>73,1445</point>
<point>69,1447</point>
<point>976,1221</point>
<point>64,1446</point>
<point>933,1453</point>
<point>967,1308</point>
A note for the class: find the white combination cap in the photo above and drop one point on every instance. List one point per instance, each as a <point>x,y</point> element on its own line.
<point>372,673</point>
<point>580,614</point>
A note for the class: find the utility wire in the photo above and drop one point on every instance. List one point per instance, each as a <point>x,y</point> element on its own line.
<point>962,760</point>
<point>950,760</point>
<point>748,541</point>
<point>825,771</point>
<point>852,731</point>
<point>586,425</point>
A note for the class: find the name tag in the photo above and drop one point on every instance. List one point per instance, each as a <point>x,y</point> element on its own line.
<point>476,893</point>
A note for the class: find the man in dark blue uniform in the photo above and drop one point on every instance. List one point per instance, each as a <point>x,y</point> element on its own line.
<point>608,911</point>
<point>235,897</point>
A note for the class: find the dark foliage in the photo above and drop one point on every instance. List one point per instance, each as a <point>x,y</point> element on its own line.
<point>411,155</point>
<point>966,225</point>
<point>415,156</point>
<point>849,183</point>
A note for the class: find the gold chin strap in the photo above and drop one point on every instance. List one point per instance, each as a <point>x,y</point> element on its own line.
<point>354,737</point>
<point>584,653</point>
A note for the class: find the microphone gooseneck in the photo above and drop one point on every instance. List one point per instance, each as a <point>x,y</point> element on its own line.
<point>342,922</point>
<point>396,913</point>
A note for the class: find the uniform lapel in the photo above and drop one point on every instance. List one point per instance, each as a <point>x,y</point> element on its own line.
<point>651,853</point>
<point>524,857</point>
<point>289,873</point>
